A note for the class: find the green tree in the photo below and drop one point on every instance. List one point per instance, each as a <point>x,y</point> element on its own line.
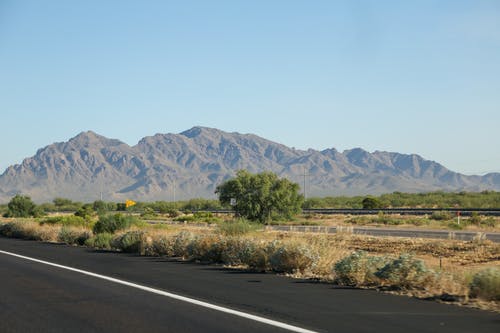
<point>60,202</point>
<point>260,197</point>
<point>111,223</point>
<point>86,211</point>
<point>371,203</point>
<point>21,206</point>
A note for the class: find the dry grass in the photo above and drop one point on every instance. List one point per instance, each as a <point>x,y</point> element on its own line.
<point>405,222</point>
<point>27,229</point>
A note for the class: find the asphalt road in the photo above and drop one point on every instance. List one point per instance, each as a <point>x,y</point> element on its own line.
<point>394,232</point>
<point>36,297</point>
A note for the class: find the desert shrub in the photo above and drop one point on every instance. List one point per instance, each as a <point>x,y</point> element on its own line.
<point>113,222</point>
<point>130,242</point>
<point>69,220</point>
<point>292,257</point>
<point>237,251</point>
<point>405,272</point>
<point>455,226</point>
<point>206,248</point>
<point>475,218</point>
<point>100,241</point>
<point>358,269</point>
<point>219,249</point>
<point>161,246</point>
<point>385,219</point>
<point>73,236</point>
<point>236,228</point>
<point>205,217</point>
<point>30,230</point>
<point>11,229</point>
<point>62,204</point>
<point>148,213</point>
<point>185,218</point>
<point>441,216</point>
<point>86,211</point>
<point>21,206</point>
<point>359,220</point>
<point>212,248</point>
<point>201,204</point>
<point>181,243</point>
<point>418,221</point>
<point>486,284</point>
<point>489,222</point>
<point>257,258</point>
<point>172,212</point>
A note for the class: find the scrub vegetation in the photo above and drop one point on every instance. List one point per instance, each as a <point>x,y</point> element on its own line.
<point>444,270</point>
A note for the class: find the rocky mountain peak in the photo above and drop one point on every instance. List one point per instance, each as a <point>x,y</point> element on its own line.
<point>195,161</point>
<point>91,139</point>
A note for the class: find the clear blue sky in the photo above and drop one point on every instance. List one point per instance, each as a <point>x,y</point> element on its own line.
<point>408,76</point>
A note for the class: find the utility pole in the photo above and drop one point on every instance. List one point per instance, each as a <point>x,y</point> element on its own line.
<point>174,191</point>
<point>305,183</point>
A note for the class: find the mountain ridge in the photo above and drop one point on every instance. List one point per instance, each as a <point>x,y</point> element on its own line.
<point>192,163</point>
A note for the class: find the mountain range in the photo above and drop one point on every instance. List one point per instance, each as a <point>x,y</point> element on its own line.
<point>191,164</point>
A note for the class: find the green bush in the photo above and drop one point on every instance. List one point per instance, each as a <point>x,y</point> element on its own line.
<point>148,213</point>
<point>236,228</point>
<point>100,241</point>
<point>358,269</point>
<point>172,212</point>
<point>86,211</point>
<point>418,221</point>
<point>453,224</point>
<point>359,220</point>
<point>63,204</point>
<point>205,217</point>
<point>113,222</point>
<point>185,218</point>
<point>387,220</point>
<point>22,206</point>
<point>486,284</point>
<point>201,204</point>
<point>489,222</point>
<point>405,272</point>
<point>475,218</point>
<point>73,236</point>
<point>69,220</point>
<point>441,216</point>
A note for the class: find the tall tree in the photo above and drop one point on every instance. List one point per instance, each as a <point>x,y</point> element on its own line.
<point>261,197</point>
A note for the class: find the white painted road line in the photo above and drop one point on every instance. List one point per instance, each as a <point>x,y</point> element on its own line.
<point>170,295</point>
